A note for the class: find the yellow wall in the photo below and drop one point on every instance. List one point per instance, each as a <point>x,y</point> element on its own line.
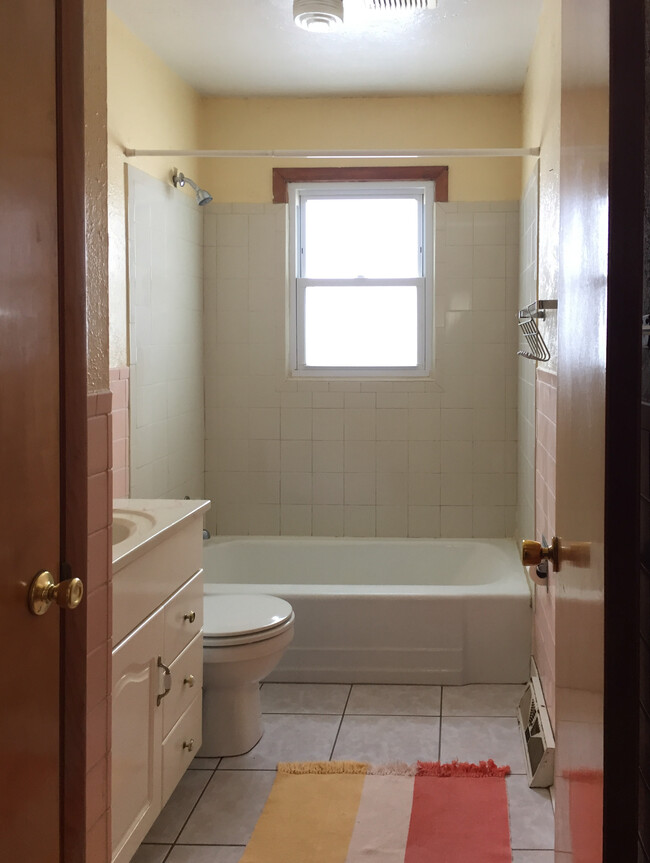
<point>541,126</point>
<point>148,106</point>
<point>380,123</point>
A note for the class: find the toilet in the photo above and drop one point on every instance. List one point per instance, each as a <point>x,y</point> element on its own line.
<point>244,638</point>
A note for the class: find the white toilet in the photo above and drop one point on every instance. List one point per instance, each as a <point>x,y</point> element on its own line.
<point>244,637</point>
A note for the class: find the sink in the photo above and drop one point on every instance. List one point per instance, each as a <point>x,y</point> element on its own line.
<point>128,523</point>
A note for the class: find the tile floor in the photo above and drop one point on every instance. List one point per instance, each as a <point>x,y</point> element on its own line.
<point>212,813</point>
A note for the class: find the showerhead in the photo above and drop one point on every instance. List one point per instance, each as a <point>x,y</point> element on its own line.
<point>202,197</point>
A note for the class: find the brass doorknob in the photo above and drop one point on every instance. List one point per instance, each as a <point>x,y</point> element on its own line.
<point>533,553</point>
<point>44,591</point>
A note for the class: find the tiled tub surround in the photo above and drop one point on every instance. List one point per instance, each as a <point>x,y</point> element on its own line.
<point>526,368</point>
<point>362,458</point>
<point>166,340</point>
<point>211,815</point>
<point>387,610</point>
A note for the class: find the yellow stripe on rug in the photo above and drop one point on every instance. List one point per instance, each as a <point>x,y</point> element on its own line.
<point>303,819</point>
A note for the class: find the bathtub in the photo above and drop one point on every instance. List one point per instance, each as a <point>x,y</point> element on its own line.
<point>437,611</point>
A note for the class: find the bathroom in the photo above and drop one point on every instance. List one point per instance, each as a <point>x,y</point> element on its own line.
<point>454,455</point>
<point>449,456</point>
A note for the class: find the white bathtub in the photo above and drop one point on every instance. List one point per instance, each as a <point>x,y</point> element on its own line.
<point>387,610</point>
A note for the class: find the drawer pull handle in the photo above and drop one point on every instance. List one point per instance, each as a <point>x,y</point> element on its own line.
<point>189,680</point>
<point>167,682</point>
<point>189,746</point>
<point>191,616</point>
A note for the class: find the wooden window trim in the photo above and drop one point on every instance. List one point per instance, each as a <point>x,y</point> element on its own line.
<point>283,176</point>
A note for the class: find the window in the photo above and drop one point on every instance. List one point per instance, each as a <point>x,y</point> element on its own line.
<point>361,278</point>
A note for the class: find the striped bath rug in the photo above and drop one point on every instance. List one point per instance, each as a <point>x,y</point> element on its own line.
<point>351,812</point>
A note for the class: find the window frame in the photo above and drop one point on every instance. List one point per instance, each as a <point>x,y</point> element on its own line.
<point>299,192</point>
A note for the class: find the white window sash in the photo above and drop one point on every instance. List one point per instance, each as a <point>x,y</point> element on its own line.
<point>423,192</point>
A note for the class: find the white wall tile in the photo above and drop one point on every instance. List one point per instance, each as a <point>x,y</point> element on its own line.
<point>392,521</point>
<point>295,520</point>
<point>296,456</point>
<point>456,521</point>
<point>392,489</point>
<point>359,521</point>
<point>392,456</point>
<point>328,456</point>
<point>296,424</point>
<point>296,488</point>
<point>360,488</point>
<point>360,456</point>
<point>327,520</point>
<point>328,488</point>
<point>424,521</point>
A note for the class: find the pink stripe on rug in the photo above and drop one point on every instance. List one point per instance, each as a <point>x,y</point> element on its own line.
<point>381,828</point>
<point>459,819</point>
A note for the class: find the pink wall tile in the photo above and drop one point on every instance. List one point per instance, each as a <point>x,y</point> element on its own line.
<point>98,619</point>
<point>98,559</point>
<point>97,679</point>
<point>119,382</point>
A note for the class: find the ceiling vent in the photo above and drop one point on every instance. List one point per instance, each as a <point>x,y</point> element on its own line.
<point>399,5</point>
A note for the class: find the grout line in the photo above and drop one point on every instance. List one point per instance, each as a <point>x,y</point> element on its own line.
<point>195,805</point>
<point>338,730</point>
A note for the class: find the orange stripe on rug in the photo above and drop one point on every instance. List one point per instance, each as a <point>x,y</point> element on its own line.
<point>309,815</point>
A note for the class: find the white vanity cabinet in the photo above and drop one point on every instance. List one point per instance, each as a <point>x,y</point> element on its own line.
<point>157,678</point>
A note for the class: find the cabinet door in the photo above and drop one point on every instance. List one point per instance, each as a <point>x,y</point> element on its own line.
<point>137,735</point>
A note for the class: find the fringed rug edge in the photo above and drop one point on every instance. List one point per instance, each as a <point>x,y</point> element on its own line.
<point>484,769</point>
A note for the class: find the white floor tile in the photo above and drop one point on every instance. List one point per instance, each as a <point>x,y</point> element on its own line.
<point>170,821</point>
<point>288,737</point>
<point>532,825</point>
<point>229,808</point>
<point>382,739</point>
<point>206,854</point>
<point>150,854</point>
<point>481,700</point>
<point>480,738</point>
<point>379,700</point>
<point>304,697</point>
<point>533,857</point>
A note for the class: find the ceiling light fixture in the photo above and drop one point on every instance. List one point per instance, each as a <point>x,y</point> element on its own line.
<point>318,16</point>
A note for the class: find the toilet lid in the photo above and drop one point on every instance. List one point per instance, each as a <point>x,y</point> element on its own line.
<point>230,614</point>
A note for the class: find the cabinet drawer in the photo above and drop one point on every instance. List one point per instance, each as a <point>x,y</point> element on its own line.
<point>176,755</point>
<point>184,616</point>
<point>187,680</point>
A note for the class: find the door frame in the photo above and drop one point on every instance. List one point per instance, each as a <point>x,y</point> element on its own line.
<point>627,164</point>
<point>73,409</point>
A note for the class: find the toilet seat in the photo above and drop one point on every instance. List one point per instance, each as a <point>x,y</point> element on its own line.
<point>232,618</point>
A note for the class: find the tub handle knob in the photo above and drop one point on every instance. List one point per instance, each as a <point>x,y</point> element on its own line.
<point>191,617</point>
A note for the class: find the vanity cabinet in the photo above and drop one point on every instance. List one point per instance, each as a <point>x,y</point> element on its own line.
<point>156,683</point>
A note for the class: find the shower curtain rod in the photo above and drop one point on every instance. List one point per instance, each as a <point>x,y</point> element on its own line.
<point>342,154</point>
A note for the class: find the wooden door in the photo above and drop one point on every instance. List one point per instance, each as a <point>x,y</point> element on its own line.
<point>29,429</point>
<point>42,428</point>
<point>601,186</point>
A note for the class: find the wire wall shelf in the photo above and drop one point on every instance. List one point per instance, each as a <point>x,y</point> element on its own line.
<point>528,318</point>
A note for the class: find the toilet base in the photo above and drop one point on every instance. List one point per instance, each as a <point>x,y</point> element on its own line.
<point>232,719</point>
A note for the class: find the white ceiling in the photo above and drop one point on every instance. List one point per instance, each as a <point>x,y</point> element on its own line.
<point>253,48</point>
